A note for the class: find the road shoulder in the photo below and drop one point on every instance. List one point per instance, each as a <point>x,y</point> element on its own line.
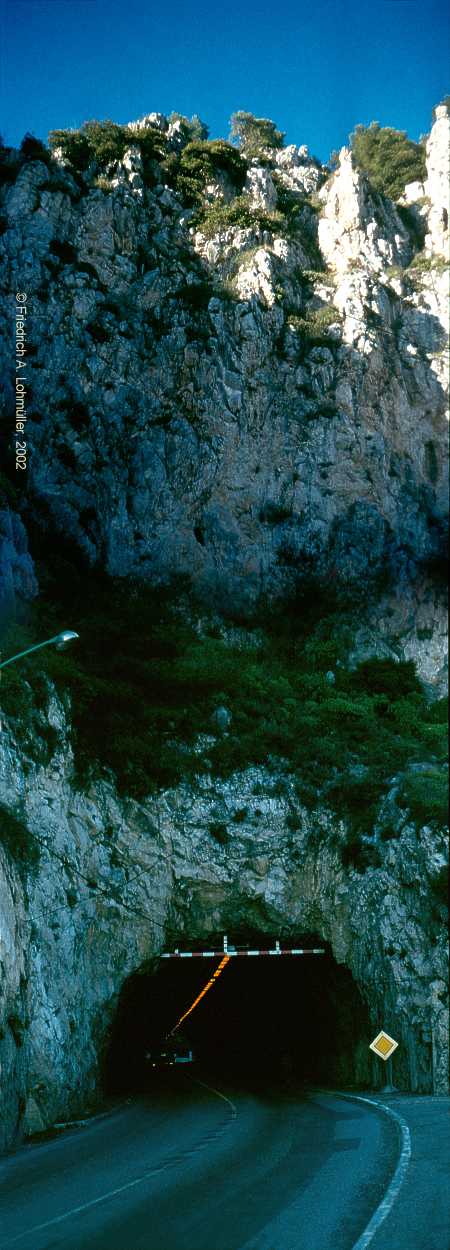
<point>420,1216</point>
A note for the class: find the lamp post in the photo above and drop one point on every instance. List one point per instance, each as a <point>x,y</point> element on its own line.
<point>59,641</point>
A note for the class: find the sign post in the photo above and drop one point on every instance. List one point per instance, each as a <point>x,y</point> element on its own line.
<point>383,1045</point>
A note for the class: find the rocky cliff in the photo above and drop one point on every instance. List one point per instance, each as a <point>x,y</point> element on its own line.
<point>114,881</point>
<point>247,388</point>
<point>236,398</point>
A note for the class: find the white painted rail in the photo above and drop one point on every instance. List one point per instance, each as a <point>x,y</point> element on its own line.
<point>242,952</point>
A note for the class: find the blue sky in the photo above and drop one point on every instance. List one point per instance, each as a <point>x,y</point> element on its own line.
<point>316,68</point>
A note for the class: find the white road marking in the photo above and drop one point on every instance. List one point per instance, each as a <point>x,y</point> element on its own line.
<point>366,1237</point>
<point>219,1095</point>
<point>112,1193</point>
<point>393,1189</point>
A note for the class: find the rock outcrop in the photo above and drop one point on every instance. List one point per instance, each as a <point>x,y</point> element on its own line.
<point>117,879</point>
<point>437,184</point>
<point>14,984</point>
<point>358,227</point>
<point>18,582</point>
<point>231,403</point>
<point>244,395</point>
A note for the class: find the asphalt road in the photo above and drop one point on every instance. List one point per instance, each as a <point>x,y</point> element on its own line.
<point>187,1168</point>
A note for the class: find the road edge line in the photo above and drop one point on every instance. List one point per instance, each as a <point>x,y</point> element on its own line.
<point>112,1193</point>
<point>197,1081</point>
<point>396,1182</point>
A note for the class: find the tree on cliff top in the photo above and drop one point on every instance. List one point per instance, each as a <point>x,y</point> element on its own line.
<point>193,129</point>
<point>388,157</point>
<point>103,142</point>
<point>255,134</point>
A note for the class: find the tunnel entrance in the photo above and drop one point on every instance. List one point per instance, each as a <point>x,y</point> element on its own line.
<point>268,1017</point>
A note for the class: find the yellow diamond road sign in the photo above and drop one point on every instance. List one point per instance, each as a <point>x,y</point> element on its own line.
<point>383,1045</point>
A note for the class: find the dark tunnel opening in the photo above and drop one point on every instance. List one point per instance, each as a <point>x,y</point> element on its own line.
<point>270,1017</point>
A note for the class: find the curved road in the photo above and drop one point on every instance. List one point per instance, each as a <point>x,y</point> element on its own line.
<point>195,1167</point>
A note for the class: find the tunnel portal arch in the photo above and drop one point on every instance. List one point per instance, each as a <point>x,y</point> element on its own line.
<point>268,1015</point>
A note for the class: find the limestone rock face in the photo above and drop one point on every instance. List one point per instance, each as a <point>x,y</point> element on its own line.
<point>438,183</point>
<point>244,399</point>
<point>14,1022</point>
<point>118,880</point>
<point>276,385</point>
<point>129,172</point>
<point>298,170</point>
<point>413,191</point>
<point>357,227</point>
<point>261,189</point>
<point>155,120</point>
<point>258,277</point>
<point>18,582</point>
<point>409,623</point>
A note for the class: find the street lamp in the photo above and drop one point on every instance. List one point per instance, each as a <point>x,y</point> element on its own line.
<point>59,640</point>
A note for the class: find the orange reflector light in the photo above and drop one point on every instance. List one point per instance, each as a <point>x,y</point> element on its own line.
<point>222,965</point>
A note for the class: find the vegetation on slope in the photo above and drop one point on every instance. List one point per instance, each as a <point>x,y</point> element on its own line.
<point>388,157</point>
<point>190,160</point>
<point>256,136</point>
<point>205,162</point>
<point>146,677</point>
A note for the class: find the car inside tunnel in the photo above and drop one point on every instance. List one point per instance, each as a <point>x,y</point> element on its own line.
<point>271,1017</point>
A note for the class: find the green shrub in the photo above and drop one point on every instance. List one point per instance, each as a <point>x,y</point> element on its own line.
<point>314,324</point>
<point>144,682</point>
<point>288,202</point>
<point>357,799</point>
<point>192,128</point>
<point>107,141</point>
<point>413,224</point>
<point>104,143</point>
<point>74,145</point>
<point>292,206</point>
<point>359,854</point>
<point>219,217</point>
<point>438,712</point>
<point>203,162</point>
<point>152,144</point>
<point>274,513</point>
<point>425,264</point>
<point>425,794</point>
<point>32,149</point>
<point>440,884</point>
<point>255,134</point>
<point>10,164</point>
<point>385,676</point>
<point>390,159</point>
<point>103,183</point>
